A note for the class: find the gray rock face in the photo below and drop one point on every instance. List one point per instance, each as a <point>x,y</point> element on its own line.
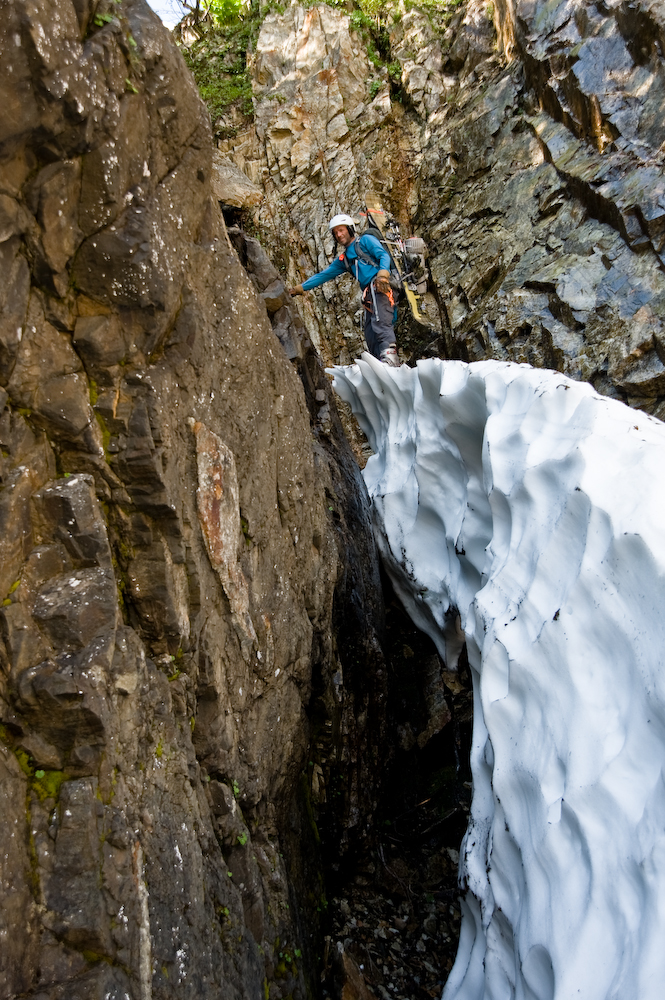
<point>187,572</point>
<point>546,208</point>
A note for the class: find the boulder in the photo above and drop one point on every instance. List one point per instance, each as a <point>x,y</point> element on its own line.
<point>230,186</point>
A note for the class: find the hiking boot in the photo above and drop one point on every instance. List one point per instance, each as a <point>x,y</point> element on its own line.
<point>390,357</point>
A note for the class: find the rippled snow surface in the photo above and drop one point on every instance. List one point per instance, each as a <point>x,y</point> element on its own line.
<point>536,508</point>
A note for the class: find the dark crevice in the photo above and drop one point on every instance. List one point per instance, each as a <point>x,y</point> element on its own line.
<point>394,913</point>
<point>372,831</point>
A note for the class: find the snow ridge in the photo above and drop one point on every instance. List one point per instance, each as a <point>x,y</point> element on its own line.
<point>533,507</point>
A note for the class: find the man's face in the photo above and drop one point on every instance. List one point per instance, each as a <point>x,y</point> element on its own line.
<point>341,234</point>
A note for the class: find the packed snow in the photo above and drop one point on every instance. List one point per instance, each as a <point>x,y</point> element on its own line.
<point>533,508</point>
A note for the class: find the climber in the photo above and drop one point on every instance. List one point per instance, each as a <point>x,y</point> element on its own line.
<point>374,278</point>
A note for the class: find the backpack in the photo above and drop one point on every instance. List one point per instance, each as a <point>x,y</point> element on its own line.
<point>396,282</point>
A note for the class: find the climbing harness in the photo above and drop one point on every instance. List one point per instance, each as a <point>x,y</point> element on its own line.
<point>371,288</point>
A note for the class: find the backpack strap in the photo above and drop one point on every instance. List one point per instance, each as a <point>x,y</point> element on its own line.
<point>348,266</point>
<point>361,254</point>
<point>364,254</point>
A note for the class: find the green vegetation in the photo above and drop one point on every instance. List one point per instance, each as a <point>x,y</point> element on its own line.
<point>244,524</point>
<point>218,60</point>
<point>373,8</point>
<point>45,783</point>
<point>370,23</point>
<point>440,12</point>
<point>179,664</point>
<point>221,89</point>
<point>395,70</point>
<point>360,21</point>
<point>375,13</point>
<point>94,956</point>
<point>225,11</point>
<point>14,587</point>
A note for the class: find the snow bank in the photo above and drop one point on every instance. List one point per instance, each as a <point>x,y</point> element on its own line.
<point>536,508</point>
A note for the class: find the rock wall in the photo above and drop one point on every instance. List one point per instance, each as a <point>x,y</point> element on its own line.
<point>547,199</point>
<point>527,152</point>
<point>189,580</point>
<point>326,135</point>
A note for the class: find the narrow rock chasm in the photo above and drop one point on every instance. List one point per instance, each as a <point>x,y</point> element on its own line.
<point>230,767</point>
<point>394,916</point>
<point>386,789</point>
<point>522,141</point>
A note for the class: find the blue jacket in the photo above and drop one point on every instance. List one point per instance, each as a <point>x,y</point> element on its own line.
<point>365,272</point>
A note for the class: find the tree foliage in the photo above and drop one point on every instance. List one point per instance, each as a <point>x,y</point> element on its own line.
<point>226,11</point>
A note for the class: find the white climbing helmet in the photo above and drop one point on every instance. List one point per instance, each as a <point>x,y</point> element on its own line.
<point>341,220</point>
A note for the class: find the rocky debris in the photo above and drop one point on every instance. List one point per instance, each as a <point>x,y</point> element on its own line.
<point>188,577</point>
<point>396,945</point>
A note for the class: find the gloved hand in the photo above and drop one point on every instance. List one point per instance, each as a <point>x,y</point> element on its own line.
<point>382,282</point>
<point>297,290</point>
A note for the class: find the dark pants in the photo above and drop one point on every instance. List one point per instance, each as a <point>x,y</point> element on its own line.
<point>379,321</point>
